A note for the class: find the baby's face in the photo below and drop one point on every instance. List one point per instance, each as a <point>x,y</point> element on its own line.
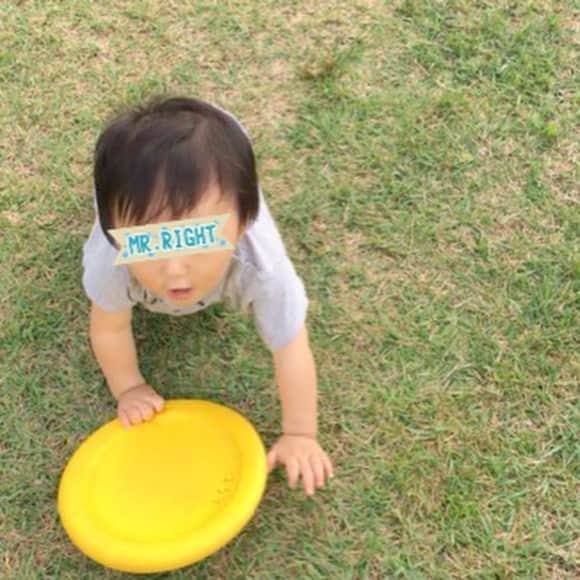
<point>199,273</point>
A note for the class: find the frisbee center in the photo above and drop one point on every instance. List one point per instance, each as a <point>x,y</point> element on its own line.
<point>161,483</point>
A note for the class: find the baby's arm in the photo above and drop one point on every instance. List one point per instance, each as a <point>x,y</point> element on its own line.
<point>298,448</point>
<point>111,337</point>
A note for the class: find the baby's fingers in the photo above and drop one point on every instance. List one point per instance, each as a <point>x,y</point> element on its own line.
<point>134,414</point>
<point>292,471</point>
<point>318,470</point>
<point>124,418</point>
<point>147,411</point>
<point>157,402</point>
<point>307,476</point>
<point>327,465</point>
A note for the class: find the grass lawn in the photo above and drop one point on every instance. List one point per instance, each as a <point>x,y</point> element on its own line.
<point>421,159</point>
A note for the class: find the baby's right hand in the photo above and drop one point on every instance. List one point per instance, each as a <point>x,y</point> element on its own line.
<point>138,404</point>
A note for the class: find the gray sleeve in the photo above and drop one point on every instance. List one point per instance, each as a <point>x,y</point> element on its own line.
<point>280,304</point>
<point>103,282</point>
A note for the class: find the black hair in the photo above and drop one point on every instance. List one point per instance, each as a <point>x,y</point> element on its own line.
<point>166,153</point>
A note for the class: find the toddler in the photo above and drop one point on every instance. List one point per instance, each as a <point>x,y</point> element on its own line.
<point>182,158</point>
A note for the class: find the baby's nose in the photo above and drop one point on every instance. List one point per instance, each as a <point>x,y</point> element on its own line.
<point>175,267</point>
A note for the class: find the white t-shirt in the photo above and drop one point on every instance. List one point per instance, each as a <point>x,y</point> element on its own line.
<point>261,279</point>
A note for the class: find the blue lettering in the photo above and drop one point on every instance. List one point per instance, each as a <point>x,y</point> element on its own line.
<point>210,229</point>
<point>166,240</point>
<point>177,232</point>
<point>188,236</point>
<point>200,236</point>
<point>133,243</point>
<point>144,240</point>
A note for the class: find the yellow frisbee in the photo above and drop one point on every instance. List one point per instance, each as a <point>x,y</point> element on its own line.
<point>165,493</point>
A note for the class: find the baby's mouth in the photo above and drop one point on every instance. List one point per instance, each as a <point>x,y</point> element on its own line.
<point>181,293</point>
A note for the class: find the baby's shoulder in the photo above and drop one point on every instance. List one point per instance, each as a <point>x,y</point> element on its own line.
<point>104,283</point>
<point>261,248</point>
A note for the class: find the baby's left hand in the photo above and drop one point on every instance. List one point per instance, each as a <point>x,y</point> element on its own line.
<point>302,456</point>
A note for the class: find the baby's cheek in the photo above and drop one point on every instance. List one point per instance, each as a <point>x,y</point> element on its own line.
<point>210,267</point>
<point>147,273</point>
